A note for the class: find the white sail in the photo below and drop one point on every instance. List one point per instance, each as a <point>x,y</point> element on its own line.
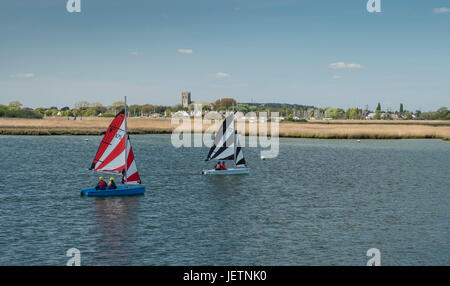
<point>132,172</point>
<point>226,144</point>
<point>223,147</point>
<point>239,159</point>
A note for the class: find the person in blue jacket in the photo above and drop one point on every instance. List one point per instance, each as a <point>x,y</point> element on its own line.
<point>111,183</point>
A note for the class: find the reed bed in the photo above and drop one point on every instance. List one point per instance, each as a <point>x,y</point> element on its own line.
<point>332,130</point>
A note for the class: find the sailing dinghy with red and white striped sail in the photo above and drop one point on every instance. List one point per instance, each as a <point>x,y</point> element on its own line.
<point>111,157</point>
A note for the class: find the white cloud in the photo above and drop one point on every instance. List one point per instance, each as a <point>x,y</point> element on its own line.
<point>337,76</point>
<point>222,74</point>
<point>22,75</point>
<point>338,65</point>
<point>441,10</point>
<point>185,51</point>
<point>353,66</point>
<point>133,53</point>
<point>342,65</point>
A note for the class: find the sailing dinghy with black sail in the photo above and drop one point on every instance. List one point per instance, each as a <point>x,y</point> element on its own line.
<point>226,147</point>
<point>111,157</point>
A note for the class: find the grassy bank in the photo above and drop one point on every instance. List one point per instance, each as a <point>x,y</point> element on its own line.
<point>384,122</point>
<point>331,130</point>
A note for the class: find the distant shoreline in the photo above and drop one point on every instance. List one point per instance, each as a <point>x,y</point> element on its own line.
<point>334,129</point>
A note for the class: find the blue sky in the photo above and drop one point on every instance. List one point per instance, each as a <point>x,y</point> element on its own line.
<point>322,53</point>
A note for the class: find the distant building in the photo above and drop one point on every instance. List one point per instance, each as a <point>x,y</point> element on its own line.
<point>213,115</point>
<point>179,114</point>
<point>370,116</point>
<point>202,103</point>
<point>185,99</point>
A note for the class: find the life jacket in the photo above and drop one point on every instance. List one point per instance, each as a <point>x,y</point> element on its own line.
<point>218,167</point>
<point>112,185</point>
<point>102,184</point>
<point>223,167</point>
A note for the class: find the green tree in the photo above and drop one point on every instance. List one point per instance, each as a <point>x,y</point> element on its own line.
<point>40,110</point>
<point>15,104</point>
<point>135,110</point>
<point>224,102</point>
<point>351,113</point>
<point>401,108</point>
<point>117,106</point>
<point>335,113</point>
<point>82,104</point>
<point>443,113</point>
<point>147,109</point>
<point>377,114</point>
<point>378,107</point>
<point>51,112</point>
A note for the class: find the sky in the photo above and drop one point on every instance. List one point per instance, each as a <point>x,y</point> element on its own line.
<point>312,52</point>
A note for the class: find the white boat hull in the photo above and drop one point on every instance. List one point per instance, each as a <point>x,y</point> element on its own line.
<point>236,171</point>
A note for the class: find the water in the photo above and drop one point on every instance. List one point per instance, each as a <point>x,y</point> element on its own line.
<point>321,202</point>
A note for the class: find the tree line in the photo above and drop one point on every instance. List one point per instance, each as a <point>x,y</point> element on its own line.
<point>288,111</point>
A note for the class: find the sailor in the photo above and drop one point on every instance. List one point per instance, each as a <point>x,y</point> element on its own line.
<point>101,184</point>
<point>111,183</point>
<point>222,166</point>
<point>217,168</point>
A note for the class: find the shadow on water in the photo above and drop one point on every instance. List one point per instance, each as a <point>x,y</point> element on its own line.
<point>115,223</point>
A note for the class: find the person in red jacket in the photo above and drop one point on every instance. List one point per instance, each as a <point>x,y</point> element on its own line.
<point>101,184</point>
<point>222,166</point>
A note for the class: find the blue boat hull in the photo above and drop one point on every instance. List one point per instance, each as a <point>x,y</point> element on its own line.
<point>120,191</point>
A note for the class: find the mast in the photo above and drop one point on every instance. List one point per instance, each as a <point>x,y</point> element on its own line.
<point>235,146</point>
<point>126,139</point>
<point>235,136</point>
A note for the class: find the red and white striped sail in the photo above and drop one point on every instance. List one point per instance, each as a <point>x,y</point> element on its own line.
<point>110,156</point>
<point>132,172</point>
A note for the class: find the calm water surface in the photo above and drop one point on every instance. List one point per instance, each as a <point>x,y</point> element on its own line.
<point>320,202</point>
